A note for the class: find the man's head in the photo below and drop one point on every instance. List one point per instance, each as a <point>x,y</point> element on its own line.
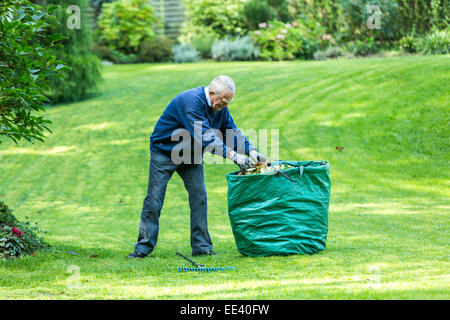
<point>221,92</point>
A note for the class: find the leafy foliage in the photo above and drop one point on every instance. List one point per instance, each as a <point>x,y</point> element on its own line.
<point>408,44</point>
<point>97,5</point>
<point>203,41</point>
<point>17,238</point>
<point>158,49</point>
<point>223,17</point>
<point>435,42</point>
<point>280,41</point>
<point>347,18</point>
<point>259,11</point>
<point>124,24</point>
<point>362,48</point>
<point>26,67</point>
<point>185,53</point>
<point>234,49</point>
<point>421,16</point>
<point>76,50</point>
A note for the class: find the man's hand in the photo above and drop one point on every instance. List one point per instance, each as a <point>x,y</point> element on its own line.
<point>242,161</point>
<point>258,157</point>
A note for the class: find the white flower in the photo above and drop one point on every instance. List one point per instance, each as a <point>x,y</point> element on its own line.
<point>287,25</point>
<point>284,31</point>
<point>257,32</point>
<point>262,25</point>
<point>280,37</point>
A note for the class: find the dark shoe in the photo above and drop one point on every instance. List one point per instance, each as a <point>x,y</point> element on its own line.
<point>135,255</point>
<point>208,253</point>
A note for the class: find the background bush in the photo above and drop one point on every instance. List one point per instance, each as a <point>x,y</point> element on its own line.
<point>124,24</point>
<point>97,6</point>
<point>435,42</point>
<point>346,19</point>
<point>222,17</point>
<point>17,238</point>
<point>230,49</point>
<point>259,11</point>
<point>27,66</point>
<point>77,51</point>
<point>408,44</point>
<point>158,49</point>
<point>280,41</point>
<point>203,41</point>
<point>185,53</point>
<point>362,48</point>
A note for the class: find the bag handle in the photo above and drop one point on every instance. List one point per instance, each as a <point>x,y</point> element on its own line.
<point>284,174</point>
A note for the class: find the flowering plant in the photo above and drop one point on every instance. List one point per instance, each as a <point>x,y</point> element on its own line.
<point>17,238</point>
<point>288,41</point>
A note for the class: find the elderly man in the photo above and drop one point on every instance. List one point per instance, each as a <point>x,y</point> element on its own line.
<point>196,112</point>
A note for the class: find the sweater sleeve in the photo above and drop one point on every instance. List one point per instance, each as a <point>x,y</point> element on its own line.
<point>233,136</point>
<point>201,132</point>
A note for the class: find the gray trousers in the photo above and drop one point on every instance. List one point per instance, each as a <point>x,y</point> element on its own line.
<point>160,172</point>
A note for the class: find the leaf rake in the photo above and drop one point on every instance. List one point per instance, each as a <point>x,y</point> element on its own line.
<point>200,267</point>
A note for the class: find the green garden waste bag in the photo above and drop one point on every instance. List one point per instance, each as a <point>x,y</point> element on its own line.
<point>282,212</point>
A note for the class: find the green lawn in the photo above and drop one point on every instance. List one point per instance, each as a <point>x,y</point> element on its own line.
<point>389,211</point>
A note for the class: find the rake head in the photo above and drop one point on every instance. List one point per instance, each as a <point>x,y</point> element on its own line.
<point>201,268</point>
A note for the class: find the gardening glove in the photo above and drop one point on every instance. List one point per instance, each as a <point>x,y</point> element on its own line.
<point>242,161</point>
<point>258,157</point>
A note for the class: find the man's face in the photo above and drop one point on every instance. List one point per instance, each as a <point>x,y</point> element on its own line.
<point>221,100</point>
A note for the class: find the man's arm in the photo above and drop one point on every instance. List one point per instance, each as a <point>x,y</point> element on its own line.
<point>234,138</point>
<point>198,127</point>
<point>240,142</point>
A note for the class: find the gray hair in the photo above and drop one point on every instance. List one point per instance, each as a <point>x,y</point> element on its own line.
<point>222,83</point>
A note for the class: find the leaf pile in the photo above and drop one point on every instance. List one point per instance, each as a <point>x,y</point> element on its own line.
<point>265,168</point>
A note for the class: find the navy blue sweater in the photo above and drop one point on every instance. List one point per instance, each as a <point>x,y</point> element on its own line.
<point>183,112</point>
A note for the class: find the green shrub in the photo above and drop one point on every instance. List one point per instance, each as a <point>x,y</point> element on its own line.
<point>17,238</point>
<point>77,50</point>
<point>223,17</point>
<point>334,52</point>
<point>363,48</point>
<point>158,49</point>
<point>435,42</point>
<point>203,41</point>
<point>258,11</point>
<point>234,49</point>
<point>421,16</point>
<point>103,51</point>
<point>124,24</point>
<point>408,44</point>
<point>122,58</point>
<point>26,68</point>
<point>287,41</point>
<point>320,55</point>
<point>185,53</point>
<point>330,53</point>
<point>97,6</point>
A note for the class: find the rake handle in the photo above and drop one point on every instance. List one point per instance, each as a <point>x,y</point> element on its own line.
<point>193,262</point>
